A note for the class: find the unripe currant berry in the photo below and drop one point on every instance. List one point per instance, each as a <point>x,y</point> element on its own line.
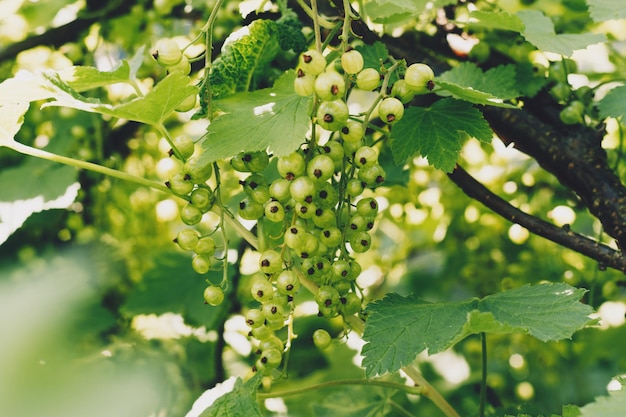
<point>291,166</point>
<point>402,92</point>
<point>294,236</point>
<point>254,318</point>
<point>184,145</point>
<point>330,85</point>
<point>272,342</point>
<point>572,114</point>
<point>202,198</point>
<point>352,61</point>
<point>349,304</point>
<point>250,161</point>
<point>312,62</point>
<point>304,84</point>
<point>390,110</point>
<point>262,333</point>
<point>343,286</point>
<point>273,311</point>
<point>324,217</point>
<point>419,78</point>
<point>271,358</point>
<point>365,155</point>
<point>321,167</point>
<point>279,189</point>
<point>308,246</point>
<point>326,195</point>
<point>355,270</point>
<point>561,92</point>
<point>327,296</point>
<point>253,183</point>
<point>334,150</point>
<point>274,211</point>
<point>187,239</point>
<point>205,246</point>
<point>201,263</point>
<point>341,269</point>
<point>198,169</point>
<point>184,67</point>
<point>354,187</point>
<point>305,210</point>
<point>287,282</point>
<point>270,262</point>
<point>332,115</point>
<point>302,189</point>
<point>360,242</point>
<point>367,207</point>
<point>331,237</point>
<point>167,52</point>
<point>261,290</point>
<point>321,339</point>
<point>353,131</point>
<point>250,209</point>
<point>180,183</point>
<point>190,214</point>
<point>372,175</point>
<point>213,295</point>
<point>368,79</point>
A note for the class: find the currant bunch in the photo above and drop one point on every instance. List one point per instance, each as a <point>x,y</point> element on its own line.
<point>190,183</point>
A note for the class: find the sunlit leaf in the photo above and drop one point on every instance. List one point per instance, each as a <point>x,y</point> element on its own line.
<point>399,328</point>
<point>539,30</point>
<point>496,20</point>
<point>601,10</point>
<point>241,401</point>
<point>611,405</point>
<point>437,132</point>
<point>273,118</point>
<point>614,103</point>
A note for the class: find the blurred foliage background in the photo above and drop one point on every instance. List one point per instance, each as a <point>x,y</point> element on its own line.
<point>101,314</point>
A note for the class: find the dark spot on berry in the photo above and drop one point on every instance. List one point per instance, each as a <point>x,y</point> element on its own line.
<point>300,73</point>
<point>171,152</point>
<point>274,309</point>
<point>265,262</point>
<point>334,89</point>
<point>343,300</point>
<point>290,176</point>
<point>307,58</point>
<point>317,173</point>
<point>328,118</point>
<point>242,205</point>
<point>294,230</point>
<point>304,255</point>
<point>326,233</point>
<point>310,271</point>
<point>167,184</point>
<point>289,287</point>
<point>345,130</point>
<point>246,158</point>
<point>326,149</point>
<point>263,359</point>
<point>303,209</point>
<point>274,209</point>
<point>430,85</point>
<point>391,118</point>
<point>362,161</point>
<point>309,199</point>
<point>259,294</point>
<point>250,322</point>
<point>289,298</point>
<point>328,302</point>
<point>323,194</point>
<point>344,273</point>
<point>373,204</point>
<point>353,226</point>
<point>380,179</point>
<point>364,242</point>
<point>369,225</point>
<point>187,177</point>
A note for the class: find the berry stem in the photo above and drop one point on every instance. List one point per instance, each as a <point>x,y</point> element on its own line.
<point>208,61</point>
<point>329,384</point>
<point>316,26</point>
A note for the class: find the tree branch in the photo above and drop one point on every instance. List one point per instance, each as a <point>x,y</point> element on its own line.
<point>605,255</point>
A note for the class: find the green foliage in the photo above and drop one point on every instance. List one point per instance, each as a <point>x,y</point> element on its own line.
<point>613,104</point>
<point>613,405</point>
<point>539,30</point>
<point>468,82</point>
<point>399,328</point>
<point>601,10</point>
<point>232,72</point>
<point>241,401</point>
<point>437,132</point>
<point>501,20</point>
<point>274,119</point>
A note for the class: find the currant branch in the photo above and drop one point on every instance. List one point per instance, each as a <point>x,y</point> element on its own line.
<point>561,235</point>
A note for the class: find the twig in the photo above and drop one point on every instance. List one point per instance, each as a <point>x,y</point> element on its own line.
<point>561,235</point>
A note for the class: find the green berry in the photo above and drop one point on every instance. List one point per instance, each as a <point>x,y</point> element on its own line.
<point>331,237</point>
<point>321,339</point>
<point>270,262</point>
<point>365,155</point>
<point>201,263</point>
<point>250,209</point>
<point>274,211</point>
<point>332,115</point>
<point>368,79</point>
<point>279,189</point>
<point>206,246</point>
<point>271,358</point>
<point>353,131</point>
<point>198,169</point>
<point>180,184</point>
<point>419,78</point>
<point>360,242</point>
<point>352,61</point>
<point>321,167</point>
<point>262,290</point>
<point>367,207</point>
<point>202,198</point>
<point>184,145</point>
<point>213,295</point>
<point>291,166</point>
<point>167,52</point>
<point>312,62</point>
<point>390,110</point>
<point>372,175</point>
<point>287,282</point>
<point>187,239</point>
<point>402,92</point>
<point>254,318</point>
<point>190,214</point>
<point>302,189</point>
<point>330,85</point>
<point>184,67</point>
<point>304,84</point>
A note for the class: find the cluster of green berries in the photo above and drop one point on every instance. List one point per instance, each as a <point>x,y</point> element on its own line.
<point>190,183</point>
<point>577,103</point>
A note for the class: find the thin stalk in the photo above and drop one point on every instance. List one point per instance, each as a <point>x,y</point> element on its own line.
<point>399,408</point>
<point>208,63</point>
<point>483,380</point>
<point>49,156</point>
<point>309,11</point>
<point>305,390</point>
<point>430,392</point>
<point>316,26</point>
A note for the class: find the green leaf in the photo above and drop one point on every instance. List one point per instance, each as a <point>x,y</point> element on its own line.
<point>601,10</point>
<point>570,410</point>
<point>355,401</point>
<point>241,401</point>
<point>399,328</point>
<point>11,120</point>
<point>495,20</point>
<point>468,82</point>
<point>173,286</point>
<point>613,405</point>
<point>289,32</point>
<point>82,78</point>
<point>437,132</point>
<point>614,103</point>
<point>273,118</point>
<point>527,81</point>
<point>25,88</point>
<point>232,72</point>
<point>373,54</point>
<point>539,30</point>
<point>150,109</point>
